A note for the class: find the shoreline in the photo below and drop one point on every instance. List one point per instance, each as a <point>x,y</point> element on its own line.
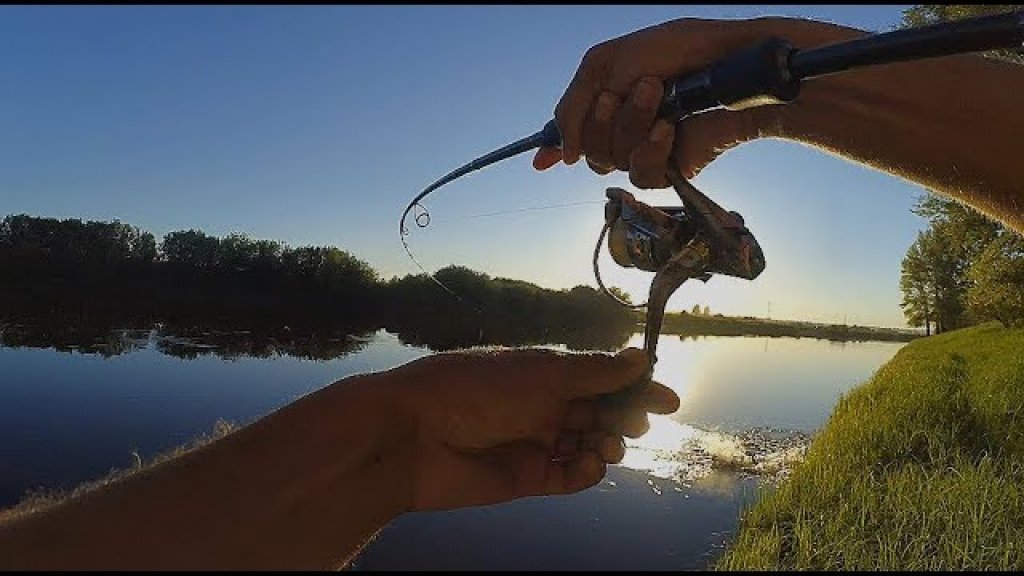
<point>685,324</point>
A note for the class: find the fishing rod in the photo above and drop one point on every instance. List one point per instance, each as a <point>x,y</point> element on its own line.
<point>701,238</point>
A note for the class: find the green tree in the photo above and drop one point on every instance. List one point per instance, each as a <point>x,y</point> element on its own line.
<point>236,252</point>
<point>342,272</point>
<point>918,303</point>
<point>620,294</point>
<point>931,283</point>
<point>997,292</point>
<point>71,244</point>
<point>947,271</point>
<point>193,248</point>
<point>268,255</point>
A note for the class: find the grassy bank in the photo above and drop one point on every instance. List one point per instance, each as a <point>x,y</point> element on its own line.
<point>921,468</point>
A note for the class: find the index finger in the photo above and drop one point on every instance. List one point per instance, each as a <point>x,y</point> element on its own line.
<point>546,158</point>
<point>574,105</point>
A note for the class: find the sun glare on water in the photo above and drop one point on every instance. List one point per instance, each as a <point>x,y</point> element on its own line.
<point>678,451</point>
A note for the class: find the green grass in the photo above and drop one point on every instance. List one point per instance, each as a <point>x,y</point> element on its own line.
<point>920,468</point>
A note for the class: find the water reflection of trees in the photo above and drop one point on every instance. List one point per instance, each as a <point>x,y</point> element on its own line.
<point>194,341</point>
<point>188,342</point>
<point>440,335</point>
<point>311,342</point>
<point>102,340</point>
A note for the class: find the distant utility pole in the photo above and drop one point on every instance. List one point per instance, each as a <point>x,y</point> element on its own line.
<point>769,309</point>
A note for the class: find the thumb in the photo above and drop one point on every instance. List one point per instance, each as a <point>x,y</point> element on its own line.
<point>597,374</point>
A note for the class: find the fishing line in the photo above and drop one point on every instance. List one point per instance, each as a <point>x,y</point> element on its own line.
<point>422,220</point>
<point>517,210</point>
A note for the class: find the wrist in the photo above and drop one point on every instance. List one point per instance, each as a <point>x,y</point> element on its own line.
<point>788,120</point>
<point>342,465</point>
<point>410,393</point>
<point>343,451</point>
<point>380,429</point>
<point>802,34</point>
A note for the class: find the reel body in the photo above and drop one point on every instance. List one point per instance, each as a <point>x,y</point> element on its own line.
<point>693,241</point>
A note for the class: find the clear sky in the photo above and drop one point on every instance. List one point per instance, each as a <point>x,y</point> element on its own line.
<point>317,124</point>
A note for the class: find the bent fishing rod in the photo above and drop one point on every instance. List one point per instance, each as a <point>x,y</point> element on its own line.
<point>701,238</point>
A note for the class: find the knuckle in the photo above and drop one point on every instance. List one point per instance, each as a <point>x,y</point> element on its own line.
<point>643,174</point>
<point>596,56</point>
<point>646,96</point>
<point>607,105</point>
<point>623,146</point>
<point>637,179</point>
<point>599,169</point>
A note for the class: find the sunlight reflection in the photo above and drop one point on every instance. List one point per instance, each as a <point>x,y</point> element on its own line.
<point>662,451</point>
<point>747,405</point>
<point>686,454</point>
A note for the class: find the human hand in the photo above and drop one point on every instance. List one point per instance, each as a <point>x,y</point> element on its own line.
<point>608,112</point>
<point>492,426</point>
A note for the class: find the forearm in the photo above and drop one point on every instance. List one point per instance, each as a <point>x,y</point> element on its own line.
<point>303,488</point>
<point>950,124</point>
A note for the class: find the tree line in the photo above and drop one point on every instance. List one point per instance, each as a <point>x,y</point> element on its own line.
<point>76,272</point>
<point>964,268</point>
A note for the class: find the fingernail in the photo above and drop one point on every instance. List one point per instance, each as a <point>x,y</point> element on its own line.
<point>605,107</point>
<point>662,132</point>
<point>643,95</point>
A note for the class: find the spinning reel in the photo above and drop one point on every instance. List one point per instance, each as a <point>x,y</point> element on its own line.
<point>678,244</point>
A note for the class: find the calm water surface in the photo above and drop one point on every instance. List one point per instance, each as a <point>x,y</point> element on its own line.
<point>747,404</point>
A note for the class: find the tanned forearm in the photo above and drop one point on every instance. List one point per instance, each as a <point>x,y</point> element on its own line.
<point>952,124</point>
<point>303,488</point>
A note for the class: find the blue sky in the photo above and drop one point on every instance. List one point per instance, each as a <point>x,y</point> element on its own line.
<point>317,124</point>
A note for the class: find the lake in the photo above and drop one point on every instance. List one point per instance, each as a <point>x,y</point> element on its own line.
<point>69,412</point>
